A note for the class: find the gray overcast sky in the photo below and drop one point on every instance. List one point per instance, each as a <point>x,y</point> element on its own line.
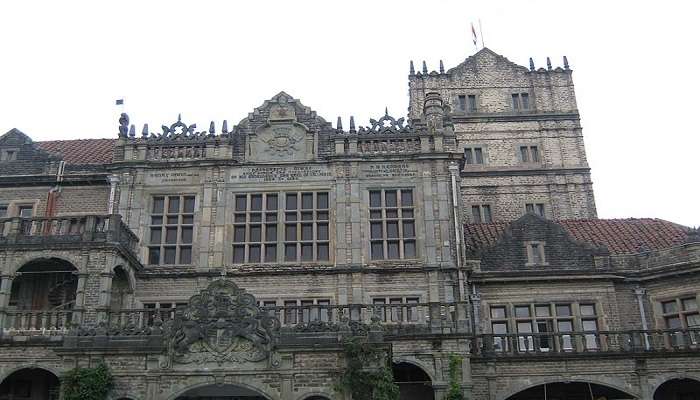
<point>635,69</point>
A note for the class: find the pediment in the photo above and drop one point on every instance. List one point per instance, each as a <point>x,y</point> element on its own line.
<point>15,137</point>
<point>486,59</point>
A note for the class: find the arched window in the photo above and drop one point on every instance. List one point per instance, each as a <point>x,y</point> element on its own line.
<point>678,389</point>
<point>30,384</point>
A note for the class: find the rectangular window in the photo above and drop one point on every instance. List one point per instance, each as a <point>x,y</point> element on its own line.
<point>535,208</point>
<point>471,103</point>
<point>473,155</point>
<point>521,101</point>
<point>392,224</point>
<point>293,223</point>
<point>171,230</point>
<point>396,309</point>
<point>165,310</point>
<point>462,102</point>
<point>681,314</point>
<point>529,154</point>
<point>25,211</point>
<point>481,214</point>
<point>3,211</point>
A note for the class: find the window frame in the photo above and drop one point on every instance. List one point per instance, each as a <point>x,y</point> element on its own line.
<point>165,226</point>
<point>384,220</point>
<point>521,102</point>
<point>482,214</point>
<point>529,153</point>
<point>471,154</point>
<point>536,254</point>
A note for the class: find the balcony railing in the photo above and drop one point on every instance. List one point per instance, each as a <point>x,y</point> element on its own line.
<point>394,319</point>
<point>36,322</point>
<point>549,344</point>
<point>73,229</point>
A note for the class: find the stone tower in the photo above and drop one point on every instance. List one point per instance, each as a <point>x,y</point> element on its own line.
<point>520,132</point>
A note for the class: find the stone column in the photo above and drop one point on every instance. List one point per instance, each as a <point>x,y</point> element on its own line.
<point>475,299</point>
<point>113,184</point>
<point>5,292</point>
<point>80,297</point>
<point>105,294</point>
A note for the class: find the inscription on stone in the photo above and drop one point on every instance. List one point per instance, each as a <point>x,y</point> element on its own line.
<point>172,177</point>
<point>389,170</point>
<point>282,174</point>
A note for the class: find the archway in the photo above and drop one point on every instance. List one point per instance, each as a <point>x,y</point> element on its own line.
<point>414,383</point>
<point>571,391</point>
<point>30,384</point>
<point>678,389</point>
<point>43,294</point>
<point>221,392</point>
<point>317,398</point>
<point>121,291</point>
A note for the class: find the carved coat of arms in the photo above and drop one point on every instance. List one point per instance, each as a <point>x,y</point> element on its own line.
<point>220,324</point>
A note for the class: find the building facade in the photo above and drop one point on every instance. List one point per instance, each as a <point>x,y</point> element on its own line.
<point>235,261</point>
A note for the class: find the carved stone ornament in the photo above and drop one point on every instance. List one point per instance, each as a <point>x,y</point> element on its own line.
<point>386,125</point>
<point>221,324</point>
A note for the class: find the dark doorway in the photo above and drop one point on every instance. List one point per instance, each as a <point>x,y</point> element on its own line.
<point>221,392</point>
<point>414,383</point>
<point>30,384</point>
<point>571,391</point>
<point>678,389</point>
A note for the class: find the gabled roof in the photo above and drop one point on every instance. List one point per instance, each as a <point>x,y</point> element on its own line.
<point>619,236</point>
<point>81,151</point>
<point>471,61</point>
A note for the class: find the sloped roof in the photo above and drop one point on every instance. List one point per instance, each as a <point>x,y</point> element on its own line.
<point>620,236</point>
<point>81,151</point>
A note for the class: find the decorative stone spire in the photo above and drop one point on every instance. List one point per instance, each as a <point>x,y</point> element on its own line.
<point>566,63</point>
<point>123,125</point>
<point>132,131</point>
<point>412,70</point>
<point>224,127</point>
<point>386,110</point>
<point>532,64</point>
<point>549,64</point>
<point>339,125</point>
<point>442,68</point>
<point>212,130</point>
<point>425,68</point>
<point>144,132</point>
<point>352,124</point>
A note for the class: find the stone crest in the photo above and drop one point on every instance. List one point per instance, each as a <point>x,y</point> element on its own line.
<point>221,324</point>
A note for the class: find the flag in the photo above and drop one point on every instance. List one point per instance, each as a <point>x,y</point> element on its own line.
<point>473,34</point>
<point>120,102</point>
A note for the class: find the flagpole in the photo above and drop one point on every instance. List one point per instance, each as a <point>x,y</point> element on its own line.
<point>482,34</point>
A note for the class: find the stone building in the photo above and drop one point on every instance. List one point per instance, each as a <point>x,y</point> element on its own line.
<point>234,261</point>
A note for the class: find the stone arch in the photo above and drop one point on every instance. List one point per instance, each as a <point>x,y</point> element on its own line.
<point>414,381</point>
<point>44,255</point>
<point>45,283</point>
<point>315,396</point>
<point>11,371</point>
<point>121,289</point>
<point>35,383</point>
<point>262,392</point>
<point>687,381</point>
<point>430,371</point>
<point>530,384</point>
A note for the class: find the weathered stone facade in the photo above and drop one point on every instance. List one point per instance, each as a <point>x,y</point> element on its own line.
<point>235,261</point>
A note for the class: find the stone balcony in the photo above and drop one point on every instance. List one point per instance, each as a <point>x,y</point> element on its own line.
<point>62,232</point>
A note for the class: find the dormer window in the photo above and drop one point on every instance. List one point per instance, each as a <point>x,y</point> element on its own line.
<point>9,155</point>
<point>535,253</point>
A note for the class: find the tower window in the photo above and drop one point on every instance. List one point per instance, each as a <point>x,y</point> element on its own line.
<point>529,154</point>
<point>521,101</point>
<point>473,155</point>
<point>466,103</point>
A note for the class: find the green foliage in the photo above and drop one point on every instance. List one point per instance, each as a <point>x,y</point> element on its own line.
<point>87,383</point>
<point>455,390</point>
<point>366,376</point>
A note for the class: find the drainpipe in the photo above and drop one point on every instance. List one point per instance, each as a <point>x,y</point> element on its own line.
<point>455,219</point>
<point>639,293</point>
<point>113,182</point>
<point>54,191</point>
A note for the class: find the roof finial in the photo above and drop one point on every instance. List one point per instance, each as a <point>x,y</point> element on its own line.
<point>179,119</point>
<point>386,110</point>
<point>549,64</point>
<point>144,132</point>
<point>532,64</point>
<point>566,63</point>
<point>132,131</point>
<point>442,68</point>
<point>352,124</point>
<point>425,68</point>
<point>211,128</point>
<point>339,126</point>
<point>224,127</point>
<point>412,70</point>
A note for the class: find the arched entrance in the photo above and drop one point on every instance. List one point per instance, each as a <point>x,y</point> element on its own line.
<point>678,389</point>
<point>414,383</point>
<point>221,392</point>
<point>30,384</point>
<point>571,391</point>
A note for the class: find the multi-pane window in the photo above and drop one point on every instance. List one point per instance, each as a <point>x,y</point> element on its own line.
<point>481,213</point>
<point>473,155</point>
<point>392,224</point>
<point>529,154</point>
<point>165,309</point>
<point>300,221</point>
<point>681,313</point>
<point>9,155</point>
<point>535,208</point>
<point>551,322</point>
<point>396,309</point>
<point>466,103</point>
<point>521,101</point>
<point>171,230</point>
<point>306,310</point>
